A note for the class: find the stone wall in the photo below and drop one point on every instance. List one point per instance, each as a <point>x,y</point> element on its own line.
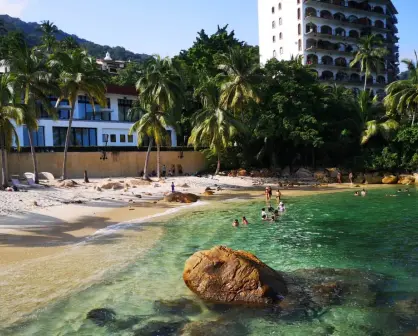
<point>118,164</point>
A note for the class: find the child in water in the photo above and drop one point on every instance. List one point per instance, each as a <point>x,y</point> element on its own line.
<point>235,223</point>
<point>282,208</point>
<point>263,213</point>
<point>244,221</point>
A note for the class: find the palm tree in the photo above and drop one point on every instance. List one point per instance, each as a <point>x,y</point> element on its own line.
<point>240,76</point>
<point>77,72</point>
<point>11,113</point>
<point>160,89</point>
<point>213,126</point>
<point>370,55</point>
<point>69,43</point>
<point>152,125</point>
<point>368,119</point>
<point>402,95</point>
<point>35,82</point>
<point>48,29</point>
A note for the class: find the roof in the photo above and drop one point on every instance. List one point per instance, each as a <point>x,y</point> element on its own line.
<point>123,90</point>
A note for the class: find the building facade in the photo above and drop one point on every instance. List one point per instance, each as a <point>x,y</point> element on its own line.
<point>325,33</point>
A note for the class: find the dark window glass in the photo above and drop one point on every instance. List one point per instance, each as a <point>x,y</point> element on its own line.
<point>130,138</point>
<point>93,136</point>
<point>122,138</point>
<point>124,105</point>
<point>82,137</point>
<point>38,137</point>
<point>113,138</point>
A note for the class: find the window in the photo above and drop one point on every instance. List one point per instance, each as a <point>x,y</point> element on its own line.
<point>273,10</point>
<point>280,6</point>
<point>280,21</point>
<point>81,137</point>
<point>124,105</point>
<point>85,109</point>
<point>300,45</point>
<point>113,138</point>
<point>62,113</point>
<point>298,13</point>
<point>299,29</point>
<point>281,36</point>
<point>274,38</point>
<point>122,138</point>
<point>274,53</point>
<point>38,137</point>
<point>273,24</point>
<point>281,50</point>
<point>130,138</point>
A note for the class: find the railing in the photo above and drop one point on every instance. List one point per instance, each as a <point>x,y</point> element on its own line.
<point>357,23</point>
<point>350,7</point>
<point>107,149</point>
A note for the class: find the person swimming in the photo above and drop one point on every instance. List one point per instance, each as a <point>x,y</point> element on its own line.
<point>356,193</point>
<point>263,213</point>
<point>235,223</point>
<point>273,218</point>
<point>244,221</point>
<point>264,217</point>
<point>281,208</point>
<point>363,192</point>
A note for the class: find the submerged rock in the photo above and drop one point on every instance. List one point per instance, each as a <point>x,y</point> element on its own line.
<point>101,316</point>
<point>181,197</point>
<point>181,306</point>
<point>214,328</point>
<point>226,276</point>
<point>161,328</point>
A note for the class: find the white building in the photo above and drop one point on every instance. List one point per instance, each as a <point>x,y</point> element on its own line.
<point>325,33</point>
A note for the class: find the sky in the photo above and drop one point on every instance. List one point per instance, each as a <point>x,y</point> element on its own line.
<point>166,27</point>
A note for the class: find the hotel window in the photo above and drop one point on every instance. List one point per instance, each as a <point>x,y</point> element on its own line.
<point>80,137</point>
<point>300,45</point>
<point>280,6</point>
<point>130,138</point>
<point>299,29</point>
<point>122,138</point>
<point>63,114</point>
<point>273,10</point>
<point>298,13</point>
<point>85,109</point>
<point>281,50</point>
<point>273,24</point>
<point>124,105</point>
<point>113,138</point>
<point>274,38</point>
<point>274,53</point>
<point>280,21</point>
<point>38,137</point>
<point>281,36</point>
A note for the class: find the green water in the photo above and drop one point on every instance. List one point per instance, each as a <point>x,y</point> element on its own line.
<point>376,233</point>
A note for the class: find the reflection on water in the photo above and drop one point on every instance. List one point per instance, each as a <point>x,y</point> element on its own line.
<point>375,233</point>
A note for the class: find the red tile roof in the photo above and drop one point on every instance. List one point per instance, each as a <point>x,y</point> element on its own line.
<point>123,90</point>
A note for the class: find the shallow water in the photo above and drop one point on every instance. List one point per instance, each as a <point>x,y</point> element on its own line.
<point>375,233</point>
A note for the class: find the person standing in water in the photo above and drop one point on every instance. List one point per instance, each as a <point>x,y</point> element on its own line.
<point>350,177</point>
<point>363,192</point>
<point>235,223</point>
<point>172,187</point>
<point>278,195</point>
<point>244,221</point>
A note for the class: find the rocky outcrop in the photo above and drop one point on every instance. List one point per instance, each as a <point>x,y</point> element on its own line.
<point>111,185</point>
<point>242,172</point>
<point>181,197</point>
<point>68,184</point>
<point>416,178</point>
<point>406,179</point>
<point>208,193</point>
<point>374,178</point>
<point>390,179</point>
<point>359,178</point>
<point>304,173</point>
<point>227,276</point>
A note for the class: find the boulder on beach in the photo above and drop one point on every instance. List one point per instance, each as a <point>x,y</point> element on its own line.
<point>332,172</point>
<point>137,182</point>
<point>406,179</point>
<point>208,193</point>
<point>374,178</point>
<point>68,184</point>
<point>111,185</point>
<point>242,172</point>
<point>181,197</point>
<point>390,179</point>
<point>223,275</point>
<point>303,173</point>
<point>286,171</point>
<point>185,185</point>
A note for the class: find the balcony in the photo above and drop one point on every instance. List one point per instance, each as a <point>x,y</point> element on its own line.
<point>360,8</point>
<point>102,115</point>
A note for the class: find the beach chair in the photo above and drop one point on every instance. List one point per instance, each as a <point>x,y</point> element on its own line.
<point>19,185</point>
<point>32,183</point>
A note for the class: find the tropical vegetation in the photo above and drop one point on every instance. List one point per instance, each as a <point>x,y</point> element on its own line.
<point>217,96</point>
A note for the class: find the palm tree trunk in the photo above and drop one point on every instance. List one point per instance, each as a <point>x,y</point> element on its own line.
<point>158,161</point>
<point>67,141</point>
<point>32,147</point>
<point>413,118</point>
<point>218,165</point>
<point>147,159</point>
<point>365,82</point>
<point>4,177</point>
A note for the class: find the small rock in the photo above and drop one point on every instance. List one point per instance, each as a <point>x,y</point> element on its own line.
<point>35,203</point>
<point>101,316</point>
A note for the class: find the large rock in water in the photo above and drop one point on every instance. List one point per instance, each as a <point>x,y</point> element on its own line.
<point>390,179</point>
<point>406,179</point>
<point>181,197</point>
<point>227,276</point>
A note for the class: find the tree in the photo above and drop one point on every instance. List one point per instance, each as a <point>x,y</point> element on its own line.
<point>48,29</point>
<point>11,113</point>
<point>161,89</point>
<point>370,55</point>
<point>77,72</point>
<point>36,84</point>
<point>152,124</point>
<point>130,75</point>
<point>69,43</point>
<point>213,126</point>
<point>402,95</point>
<point>241,75</point>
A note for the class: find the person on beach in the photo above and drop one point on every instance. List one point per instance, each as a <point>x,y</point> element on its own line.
<point>235,223</point>
<point>350,177</point>
<point>172,187</point>
<point>339,177</point>
<point>278,195</point>
<point>244,221</point>
<point>267,194</point>
<point>363,192</point>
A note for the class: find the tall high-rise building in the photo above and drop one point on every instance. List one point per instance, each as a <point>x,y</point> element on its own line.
<point>326,32</point>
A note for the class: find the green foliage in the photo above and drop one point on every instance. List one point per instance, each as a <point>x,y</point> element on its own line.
<point>128,76</point>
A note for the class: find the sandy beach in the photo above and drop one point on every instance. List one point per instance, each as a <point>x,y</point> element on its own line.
<point>67,240</point>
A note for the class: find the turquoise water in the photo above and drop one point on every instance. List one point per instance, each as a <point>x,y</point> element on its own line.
<point>376,233</point>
